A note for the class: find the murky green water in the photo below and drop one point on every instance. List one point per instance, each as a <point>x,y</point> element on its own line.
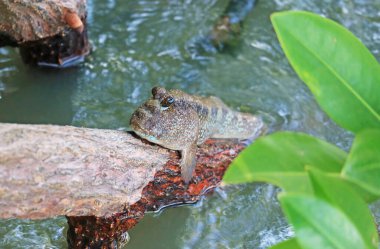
<point>140,44</point>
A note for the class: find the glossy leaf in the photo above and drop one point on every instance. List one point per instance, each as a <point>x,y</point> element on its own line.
<point>320,224</point>
<point>339,193</point>
<point>363,163</point>
<point>339,70</point>
<point>287,244</point>
<point>281,158</point>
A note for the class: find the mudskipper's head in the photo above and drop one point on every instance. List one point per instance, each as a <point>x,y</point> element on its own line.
<point>166,119</point>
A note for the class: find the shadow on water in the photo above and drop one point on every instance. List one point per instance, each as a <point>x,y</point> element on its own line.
<point>141,44</point>
<point>36,96</point>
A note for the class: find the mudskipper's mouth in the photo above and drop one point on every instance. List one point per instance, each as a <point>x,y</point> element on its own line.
<point>143,133</point>
<point>138,129</point>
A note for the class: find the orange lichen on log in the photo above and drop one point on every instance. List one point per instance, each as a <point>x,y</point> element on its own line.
<point>74,21</point>
<point>104,181</point>
<point>167,189</point>
<point>31,20</point>
<point>49,33</point>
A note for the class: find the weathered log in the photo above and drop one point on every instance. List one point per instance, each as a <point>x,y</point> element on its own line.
<point>167,189</point>
<point>102,180</point>
<point>47,170</point>
<point>50,33</point>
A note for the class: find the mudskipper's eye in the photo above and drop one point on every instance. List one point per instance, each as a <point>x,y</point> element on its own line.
<point>166,102</point>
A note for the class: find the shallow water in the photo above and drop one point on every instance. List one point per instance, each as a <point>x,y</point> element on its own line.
<point>141,44</point>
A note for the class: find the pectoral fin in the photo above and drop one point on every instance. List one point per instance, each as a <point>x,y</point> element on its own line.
<point>188,162</point>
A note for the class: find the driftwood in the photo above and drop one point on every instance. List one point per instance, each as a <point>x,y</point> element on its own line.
<point>50,33</point>
<point>167,189</point>
<point>47,171</point>
<point>102,180</point>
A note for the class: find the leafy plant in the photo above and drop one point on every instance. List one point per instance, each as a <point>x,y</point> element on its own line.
<point>325,190</point>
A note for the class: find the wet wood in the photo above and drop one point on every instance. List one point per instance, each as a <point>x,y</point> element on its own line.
<point>48,170</point>
<point>31,20</point>
<point>167,189</point>
<point>104,181</point>
<point>49,33</point>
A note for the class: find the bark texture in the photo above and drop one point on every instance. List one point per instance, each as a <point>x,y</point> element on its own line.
<point>167,189</point>
<point>49,33</point>
<point>48,170</point>
<point>103,181</point>
<point>31,20</point>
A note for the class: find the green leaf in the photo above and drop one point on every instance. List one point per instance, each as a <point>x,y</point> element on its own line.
<point>319,224</point>
<point>363,163</point>
<point>339,70</point>
<point>287,244</point>
<point>339,193</point>
<point>281,158</point>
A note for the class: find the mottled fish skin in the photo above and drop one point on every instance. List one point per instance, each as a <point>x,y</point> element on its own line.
<point>179,121</point>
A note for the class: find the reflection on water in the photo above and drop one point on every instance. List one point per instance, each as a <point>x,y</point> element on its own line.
<point>140,44</point>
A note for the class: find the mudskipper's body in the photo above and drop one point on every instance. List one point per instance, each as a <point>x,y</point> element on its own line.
<point>179,121</point>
